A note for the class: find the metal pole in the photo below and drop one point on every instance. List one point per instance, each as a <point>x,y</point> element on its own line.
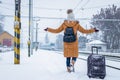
<point>30,41</point>
<point>36,35</point>
<point>31,27</point>
<point>17,26</point>
<point>36,31</point>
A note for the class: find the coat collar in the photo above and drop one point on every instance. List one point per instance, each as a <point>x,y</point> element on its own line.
<point>70,23</point>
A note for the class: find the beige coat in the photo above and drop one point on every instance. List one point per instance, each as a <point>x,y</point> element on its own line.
<point>71,49</point>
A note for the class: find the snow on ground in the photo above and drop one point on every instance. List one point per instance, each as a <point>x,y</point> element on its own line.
<point>44,65</point>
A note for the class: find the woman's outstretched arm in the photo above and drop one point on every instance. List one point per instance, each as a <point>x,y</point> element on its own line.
<point>59,29</point>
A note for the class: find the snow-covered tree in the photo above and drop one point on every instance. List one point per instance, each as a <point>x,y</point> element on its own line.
<point>1,23</point>
<point>108,21</point>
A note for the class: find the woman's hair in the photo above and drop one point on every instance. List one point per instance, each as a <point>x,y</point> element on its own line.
<point>69,11</point>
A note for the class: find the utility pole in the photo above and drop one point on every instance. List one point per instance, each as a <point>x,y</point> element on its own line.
<point>30,39</point>
<point>17,27</point>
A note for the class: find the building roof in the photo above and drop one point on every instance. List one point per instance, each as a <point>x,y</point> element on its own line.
<point>7,33</point>
<point>96,42</point>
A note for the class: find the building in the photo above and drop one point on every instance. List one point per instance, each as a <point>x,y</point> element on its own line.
<point>6,39</point>
<point>59,42</point>
<point>82,42</point>
<point>98,43</point>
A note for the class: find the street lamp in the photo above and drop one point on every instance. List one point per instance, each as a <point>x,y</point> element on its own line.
<point>36,43</point>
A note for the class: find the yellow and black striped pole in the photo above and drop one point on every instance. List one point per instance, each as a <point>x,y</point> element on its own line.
<point>17,26</point>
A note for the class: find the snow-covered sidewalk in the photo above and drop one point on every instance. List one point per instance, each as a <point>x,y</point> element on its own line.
<point>45,65</point>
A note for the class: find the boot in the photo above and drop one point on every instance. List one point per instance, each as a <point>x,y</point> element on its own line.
<point>72,66</point>
<point>73,62</point>
<point>68,69</point>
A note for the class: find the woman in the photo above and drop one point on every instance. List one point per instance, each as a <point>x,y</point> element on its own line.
<point>71,49</point>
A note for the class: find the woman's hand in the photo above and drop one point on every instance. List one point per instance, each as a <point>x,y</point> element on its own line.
<point>46,29</point>
<point>96,30</point>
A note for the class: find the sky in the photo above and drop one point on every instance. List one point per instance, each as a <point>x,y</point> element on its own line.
<point>54,9</point>
<point>47,65</point>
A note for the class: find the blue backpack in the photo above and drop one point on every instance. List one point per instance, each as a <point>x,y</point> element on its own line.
<point>69,35</point>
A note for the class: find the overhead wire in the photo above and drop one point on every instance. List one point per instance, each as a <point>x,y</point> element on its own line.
<point>86,3</point>
<point>58,9</point>
<point>95,7</point>
<point>27,5</point>
<point>53,8</point>
<point>101,6</point>
<point>64,18</point>
<point>7,8</point>
<point>10,9</point>
<point>77,4</point>
<point>45,8</point>
<point>82,7</point>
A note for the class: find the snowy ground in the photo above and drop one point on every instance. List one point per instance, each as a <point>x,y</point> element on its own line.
<point>45,65</point>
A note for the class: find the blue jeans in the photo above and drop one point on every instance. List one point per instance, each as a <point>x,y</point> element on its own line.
<point>68,59</point>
